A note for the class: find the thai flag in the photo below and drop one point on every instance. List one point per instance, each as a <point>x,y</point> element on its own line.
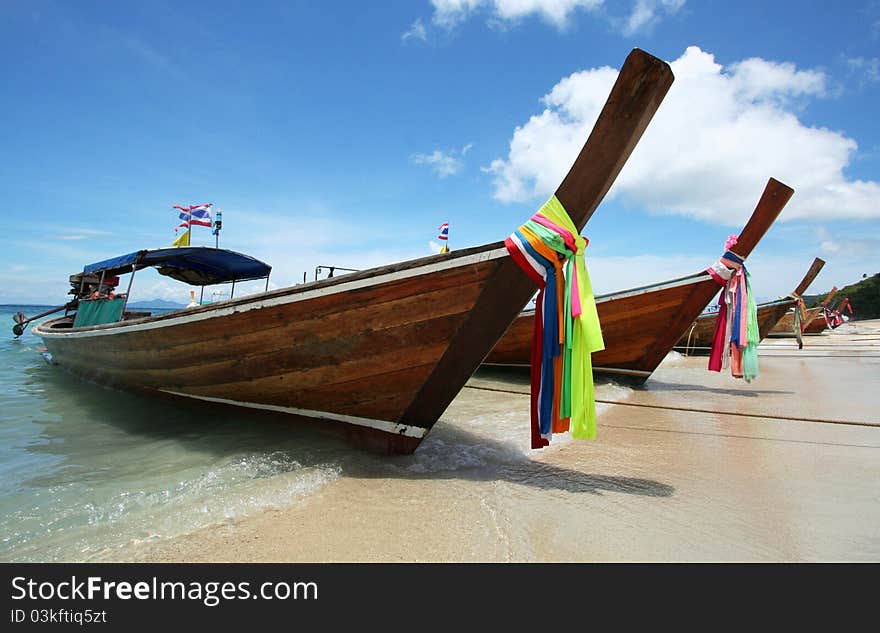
<point>444,232</point>
<point>183,215</point>
<point>200,215</point>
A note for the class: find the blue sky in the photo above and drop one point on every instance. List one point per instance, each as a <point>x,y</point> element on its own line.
<point>345,133</point>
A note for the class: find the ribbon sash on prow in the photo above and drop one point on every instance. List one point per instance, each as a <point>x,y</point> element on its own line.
<point>735,343</point>
<point>550,250</point>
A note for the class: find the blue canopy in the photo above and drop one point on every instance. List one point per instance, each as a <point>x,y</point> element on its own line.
<point>196,265</point>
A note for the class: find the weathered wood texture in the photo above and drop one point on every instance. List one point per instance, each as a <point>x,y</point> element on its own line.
<point>363,352</point>
<point>812,273</point>
<point>396,351</point>
<point>641,328</point>
<point>817,325</point>
<point>785,325</point>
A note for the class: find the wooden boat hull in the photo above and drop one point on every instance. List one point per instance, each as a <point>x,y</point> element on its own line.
<point>814,323</point>
<point>817,325</point>
<point>378,354</point>
<point>633,340</point>
<point>785,326</point>
<point>698,338</point>
<point>629,326</point>
<point>354,349</point>
<point>640,326</point>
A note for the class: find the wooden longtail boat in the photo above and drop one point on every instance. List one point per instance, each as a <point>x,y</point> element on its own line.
<point>814,323</point>
<point>818,325</point>
<point>836,316</point>
<point>376,355</point>
<point>698,338</point>
<point>641,325</point>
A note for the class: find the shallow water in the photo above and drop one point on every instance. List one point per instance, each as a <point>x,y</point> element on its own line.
<point>85,470</point>
<point>692,466</point>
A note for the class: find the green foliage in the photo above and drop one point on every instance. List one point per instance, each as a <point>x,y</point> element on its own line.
<point>864,297</point>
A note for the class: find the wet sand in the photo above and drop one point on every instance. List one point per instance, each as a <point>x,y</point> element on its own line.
<point>695,466</point>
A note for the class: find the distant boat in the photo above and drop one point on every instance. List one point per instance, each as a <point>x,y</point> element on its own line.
<point>641,325</point>
<point>837,317</point>
<point>698,338</point>
<point>376,355</point>
<point>814,323</point>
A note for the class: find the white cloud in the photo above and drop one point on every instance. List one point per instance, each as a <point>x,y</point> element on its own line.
<point>643,16</point>
<point>448,13</point>
<point>416,32</point>
<point>758,80</point>
<point>847,246</point>
<point>442,163</point>
<point>868,70</point>
<point>646,13</point>
<point>716,139</point>
<point>827,244</point>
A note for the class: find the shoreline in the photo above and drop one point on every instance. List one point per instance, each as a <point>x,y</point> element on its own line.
<point>786,472</point>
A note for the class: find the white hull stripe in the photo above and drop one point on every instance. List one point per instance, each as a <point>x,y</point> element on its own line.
<point>258,303</point>
<point>629,372</point>
<point>380,425</point>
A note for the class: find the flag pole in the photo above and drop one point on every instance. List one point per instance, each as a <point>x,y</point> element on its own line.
<point>218,224</point>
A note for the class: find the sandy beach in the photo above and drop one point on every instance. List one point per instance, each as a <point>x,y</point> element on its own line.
<point>695,466</point>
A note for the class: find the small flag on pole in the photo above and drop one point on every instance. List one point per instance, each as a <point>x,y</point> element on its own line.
<point>444,235</point>
<point>183,240</point>
<point>193,215</point>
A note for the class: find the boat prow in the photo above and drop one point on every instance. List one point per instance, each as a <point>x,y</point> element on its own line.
<point>641,325</point>
<point>698,338</point>
<point>377,355</point>
<point>814,322</point>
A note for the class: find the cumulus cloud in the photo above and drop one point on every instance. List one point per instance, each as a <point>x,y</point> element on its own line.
<point>718,136</point>
<point>443,163</point>
<point>416,31</point>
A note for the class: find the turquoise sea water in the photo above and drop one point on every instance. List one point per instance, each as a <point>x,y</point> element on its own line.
<point>84,468</point>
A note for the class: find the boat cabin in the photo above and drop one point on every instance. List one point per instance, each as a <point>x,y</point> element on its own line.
<point>96,301</point>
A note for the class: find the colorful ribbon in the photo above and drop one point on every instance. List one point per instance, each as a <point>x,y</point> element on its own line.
<point>736,338</point>
<point>800,316</point>
<point>550,251</point>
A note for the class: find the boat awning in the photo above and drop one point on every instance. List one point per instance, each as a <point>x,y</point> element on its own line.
<point>196,265</point>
